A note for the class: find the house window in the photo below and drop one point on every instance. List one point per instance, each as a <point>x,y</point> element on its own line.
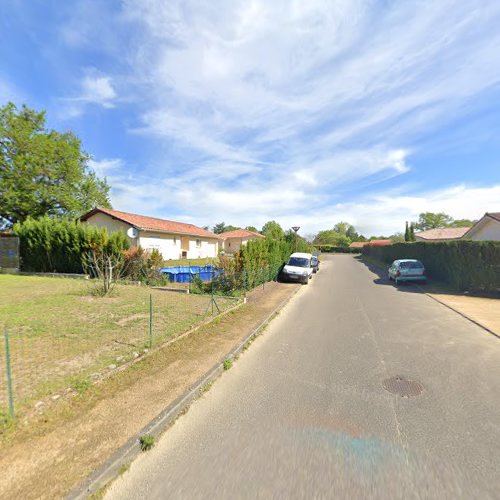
<point>198,243</point>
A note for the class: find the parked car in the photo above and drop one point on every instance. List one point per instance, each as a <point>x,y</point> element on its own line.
<point>298,268</point>
<point>407,270</point>
<point>315,263</point>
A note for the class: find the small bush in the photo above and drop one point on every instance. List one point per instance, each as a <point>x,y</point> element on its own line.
<point>147,442</point>
<point>81,385</point>
<point>227,364</point>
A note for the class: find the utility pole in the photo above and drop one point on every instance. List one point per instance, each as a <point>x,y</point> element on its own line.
<point>296,229</point>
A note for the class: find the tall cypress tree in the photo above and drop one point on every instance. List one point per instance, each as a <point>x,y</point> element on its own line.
<point>407,232</point>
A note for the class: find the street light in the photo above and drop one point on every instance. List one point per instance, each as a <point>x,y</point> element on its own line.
<point>296,229</point>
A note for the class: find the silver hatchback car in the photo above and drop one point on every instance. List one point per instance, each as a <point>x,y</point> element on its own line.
<point>407,270</point>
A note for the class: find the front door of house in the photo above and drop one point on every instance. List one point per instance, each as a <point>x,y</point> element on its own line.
<point>184,246</point>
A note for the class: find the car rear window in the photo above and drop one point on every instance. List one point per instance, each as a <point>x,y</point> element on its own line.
<point>411,265</point>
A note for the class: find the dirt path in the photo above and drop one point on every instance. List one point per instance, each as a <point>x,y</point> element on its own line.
<point>52,454</point>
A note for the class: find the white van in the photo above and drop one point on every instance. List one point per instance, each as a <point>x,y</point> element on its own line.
<point>298,268</point>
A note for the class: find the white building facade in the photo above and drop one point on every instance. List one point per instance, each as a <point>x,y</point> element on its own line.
<point>174,240</point>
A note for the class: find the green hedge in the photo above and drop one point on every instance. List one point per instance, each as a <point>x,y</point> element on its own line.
<point>466,265</point>
<point>332,249</point>
<point>58,245</point>
<point>268,253</point>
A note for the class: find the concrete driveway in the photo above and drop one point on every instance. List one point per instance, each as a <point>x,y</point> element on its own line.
<point>304,413</point>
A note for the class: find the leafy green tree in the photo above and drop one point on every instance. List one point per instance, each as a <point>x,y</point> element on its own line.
<point>462,223</point>
<point>342,228</point>
<point>273,230</point>
<point>219,228</point>
<point>222,228</point>
<point>429,220</point>
<point>398,238</point>
<point>333,238</point>
<point>412,232</point>
<point>42,171</point>
<point>252,228</point>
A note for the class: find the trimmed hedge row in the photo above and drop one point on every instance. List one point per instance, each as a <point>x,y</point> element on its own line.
<point>267,253</point>
<point>466,265</point>
<point>332,249</point>
<point>59,245</point>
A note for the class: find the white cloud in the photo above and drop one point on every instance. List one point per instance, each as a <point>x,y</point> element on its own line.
<point>107,167</point>
<point>98,90</point>
<point>95,88</point>
<point>269,109</point>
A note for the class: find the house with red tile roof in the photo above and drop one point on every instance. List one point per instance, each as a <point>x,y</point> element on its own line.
<point>358,244</point>
<point>234,240</point>
<point>441,234</point>
<point>487,228</point>
<point>174,240</point>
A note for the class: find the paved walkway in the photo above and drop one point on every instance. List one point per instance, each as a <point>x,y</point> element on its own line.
<point>485,311</point>
<point>304,413</point>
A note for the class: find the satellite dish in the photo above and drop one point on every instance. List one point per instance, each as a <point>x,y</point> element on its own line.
<point>132,232</point>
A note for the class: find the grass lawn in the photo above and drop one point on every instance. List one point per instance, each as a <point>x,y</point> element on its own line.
<point>61,335</point>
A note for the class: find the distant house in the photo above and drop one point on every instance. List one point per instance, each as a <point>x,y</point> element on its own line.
<point>361,244</point>
<point>234,240</point>
<point>379,243</point>
<point>173,239</point>
<point>486,228</point>
<point>358,244</point>
<point>441,234</point>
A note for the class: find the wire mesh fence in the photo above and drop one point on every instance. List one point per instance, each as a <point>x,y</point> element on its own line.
<point>60,337</point>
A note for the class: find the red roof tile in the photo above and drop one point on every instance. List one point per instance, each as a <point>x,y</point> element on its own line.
<point>152,223</point>
<point>241,233</point>
<point>379,243</point>
<point>358,244</point>
<point>445,233</point>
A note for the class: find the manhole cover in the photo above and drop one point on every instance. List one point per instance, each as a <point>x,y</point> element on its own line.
<point>402,386</point>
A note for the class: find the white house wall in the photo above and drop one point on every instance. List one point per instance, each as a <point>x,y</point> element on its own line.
<point>489,230</point>
<point>232,245</point>
<point>112,225</point>
<point>207,249</point>
<point>167,243</point>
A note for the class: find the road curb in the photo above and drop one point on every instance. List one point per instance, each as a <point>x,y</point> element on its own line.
<point>477,323</point>
<point>126,454</point>
<point>460,312</point>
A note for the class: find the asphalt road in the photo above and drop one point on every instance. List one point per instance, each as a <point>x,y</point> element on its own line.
<point>304,414</point>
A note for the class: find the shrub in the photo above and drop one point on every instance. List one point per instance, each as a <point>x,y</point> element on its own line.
<point>465,265</point>
<point>147,442</point>
<point>60,244</point>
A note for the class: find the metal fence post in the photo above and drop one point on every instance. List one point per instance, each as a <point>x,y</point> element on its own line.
<point>150,320</point>
<point>244,286</point>
<point>212,290</point>
<point>9,373</point>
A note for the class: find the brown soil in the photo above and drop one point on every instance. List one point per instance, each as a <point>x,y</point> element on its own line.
<point>49,456</point>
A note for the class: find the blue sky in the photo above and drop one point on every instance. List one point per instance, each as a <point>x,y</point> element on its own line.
<point>245,111</point>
